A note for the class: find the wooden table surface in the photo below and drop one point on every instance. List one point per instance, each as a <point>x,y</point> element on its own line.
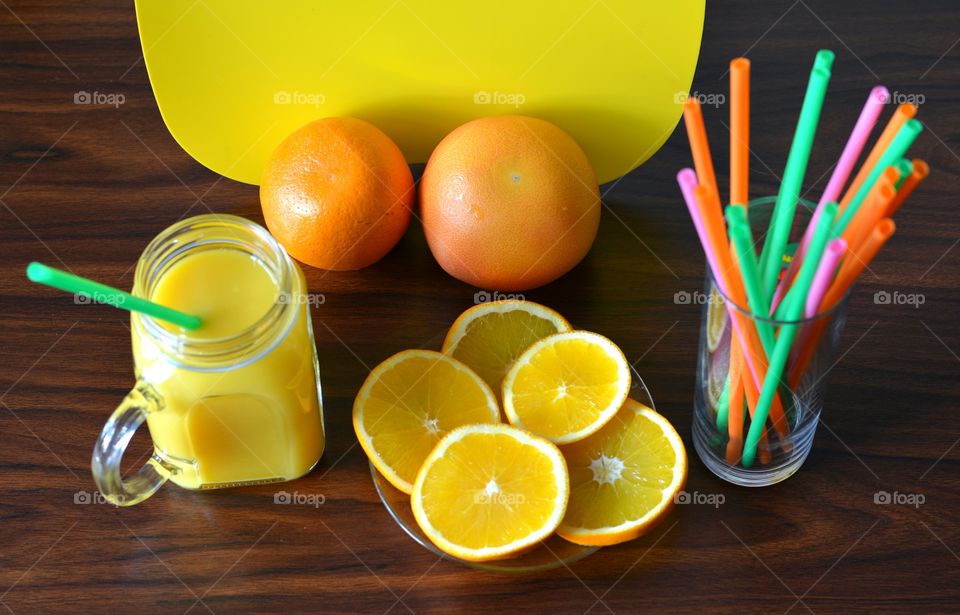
<point>89,185</point>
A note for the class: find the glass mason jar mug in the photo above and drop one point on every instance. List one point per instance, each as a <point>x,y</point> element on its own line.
<point>238,401</point>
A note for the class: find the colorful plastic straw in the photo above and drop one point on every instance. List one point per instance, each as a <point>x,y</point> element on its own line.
<point>903,113</point>
<point>740,237</point>
<point>824,276</point>
<point>723,403</point>
<point>788,330</point>
<point>740,131</point>
<point>687,179</point>
<point>731,284</point>
<point>907,186</point>
<point>868,215</point>
<point>898,149</point>
<point>873,210</point>
<point>822,280</point>
<point>795,293</point>
<point>746,259</point>
<point>721,269</point>
<point>904,168</point>
<point>101,293</point>
<point>703,162</point>
<point>841,173</point>
<point>853,266</point>
<point>879,96</point>
<point>735,404</point>
<point>786,203</point>
<point>837,245</point>
<point>697,135</point>
<point>753,394</point>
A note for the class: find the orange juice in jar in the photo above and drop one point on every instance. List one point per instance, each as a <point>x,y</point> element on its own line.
<point>236,401</point>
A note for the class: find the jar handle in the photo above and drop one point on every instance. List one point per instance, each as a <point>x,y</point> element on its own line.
<point>114,439</point>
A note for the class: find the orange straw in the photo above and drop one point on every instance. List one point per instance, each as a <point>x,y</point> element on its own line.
<point>903,113</point>
<point>920,172</point>
<point>739,131</point>
<point>739,193</point>
<point>735,403</point>
<point>874,208</point>
<point>697,134</point>
<point>853,265</point>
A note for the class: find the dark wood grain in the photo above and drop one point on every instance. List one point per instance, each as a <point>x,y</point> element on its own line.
<point>89,186</point>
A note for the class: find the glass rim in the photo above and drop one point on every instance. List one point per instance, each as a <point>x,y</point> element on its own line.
<point>767,202</point>
<point>763,201</point>
<point>238,348</point>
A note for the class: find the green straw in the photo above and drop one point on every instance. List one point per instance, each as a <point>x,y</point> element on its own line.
<point>747,258</point>
<point>897,149</point>
<point>742,239</point>
<point>101,293</point>
<point>723,405</point>
<point>796,293</point>
<point>904,168</point>
<point>789,194</point>
<point>788,331</point>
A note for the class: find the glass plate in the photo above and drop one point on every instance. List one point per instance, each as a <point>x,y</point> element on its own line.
<point>549,554</point>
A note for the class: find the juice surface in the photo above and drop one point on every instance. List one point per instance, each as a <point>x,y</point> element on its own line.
<point>256,421</point>
<point>228,289</point>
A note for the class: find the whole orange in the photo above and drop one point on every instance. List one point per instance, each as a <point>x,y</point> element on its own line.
<point>509,203</point>
<point>337,194</point>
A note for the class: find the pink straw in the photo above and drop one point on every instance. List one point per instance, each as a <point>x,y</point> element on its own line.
<point>878,97</point>
<point>687,178</point>
<point>823,278</point>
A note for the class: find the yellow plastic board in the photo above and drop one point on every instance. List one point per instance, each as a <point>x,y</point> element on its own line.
<point>234,77</point>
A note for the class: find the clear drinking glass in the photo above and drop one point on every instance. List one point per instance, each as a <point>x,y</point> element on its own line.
<point>224,411</point>
<point>801,392</point>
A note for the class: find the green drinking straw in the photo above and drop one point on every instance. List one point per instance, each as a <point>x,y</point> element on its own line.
<point>755,295</point>
<point>904,168</point>
<point>742,239</point>
<point>896,150</point>
<point>101,293</point>
<point>789,194</point>
<point>723,405</point>
<point>788,331</point>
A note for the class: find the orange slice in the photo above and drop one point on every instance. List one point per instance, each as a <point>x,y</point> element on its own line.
<point>490,491</point>
<point>624,478</point>
<point>409,402</point>
<point>566,386</point>
<point>490,336</point>
<point>716,318</point>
